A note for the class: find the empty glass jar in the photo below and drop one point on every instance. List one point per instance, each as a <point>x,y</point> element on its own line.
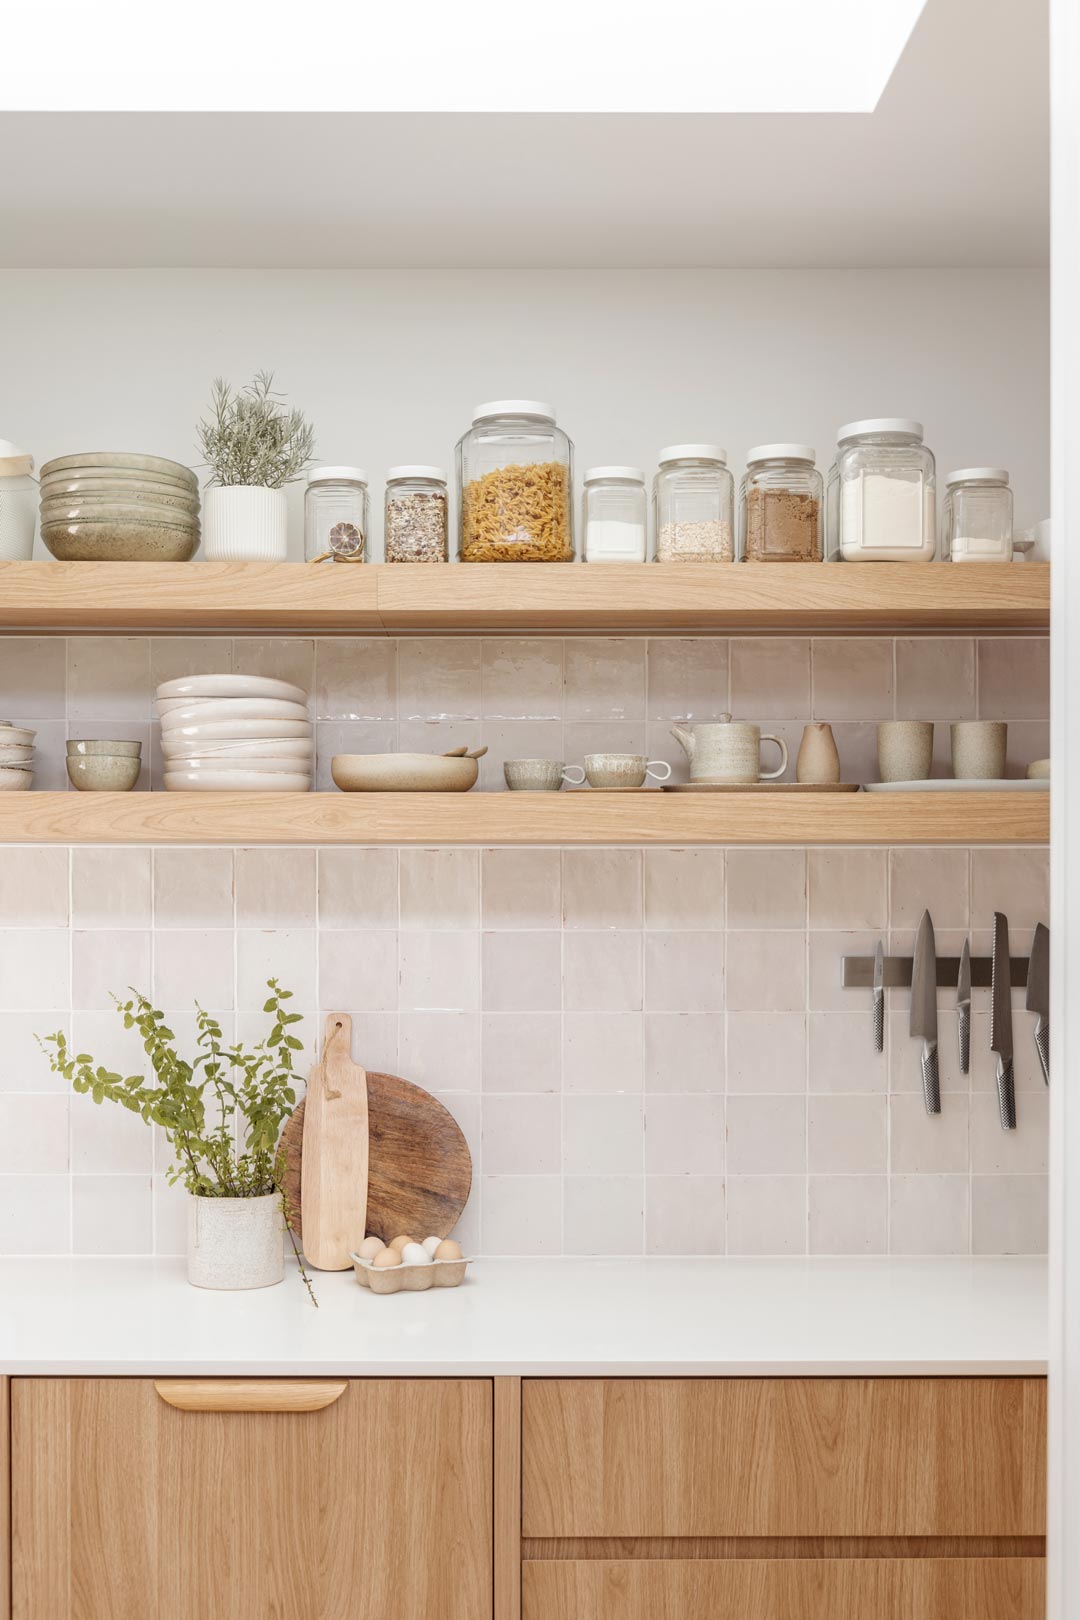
<point>978,515</point>
<point>694,498</point>
<point>336,514</point>
<point>614,515</point>
<point>515,481</point>
<point>780,501</point>
<point>881,502</point>
<point>415,527</point>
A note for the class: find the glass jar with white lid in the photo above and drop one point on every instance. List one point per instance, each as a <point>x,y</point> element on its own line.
<point>780,500</point>
<point>336,514</point>
<point>18,503</point>
<point>515,483</point>
<point>415,522</point>
<point>882,493</point>
<point>694,503</point>
<point>614,515</point>
<point>977,515</point>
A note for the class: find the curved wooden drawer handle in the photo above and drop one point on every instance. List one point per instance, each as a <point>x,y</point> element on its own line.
<point>249,1394</point>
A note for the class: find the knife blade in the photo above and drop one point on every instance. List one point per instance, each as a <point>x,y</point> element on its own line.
<point>1038,994</point>
<point>1001,1035</point>
<point>879,997</point>
<point>963,1008</point>
<point>924,1010</point>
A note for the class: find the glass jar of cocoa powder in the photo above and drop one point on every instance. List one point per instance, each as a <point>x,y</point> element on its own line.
<point>780,505</point>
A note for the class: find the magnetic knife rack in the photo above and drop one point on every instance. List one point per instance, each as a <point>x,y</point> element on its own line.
<point>858,972</point>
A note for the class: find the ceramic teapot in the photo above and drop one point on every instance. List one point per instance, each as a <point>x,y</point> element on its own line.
<point>728,750</point>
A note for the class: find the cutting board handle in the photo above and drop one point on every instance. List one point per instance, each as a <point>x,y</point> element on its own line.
<point>333,1193</point>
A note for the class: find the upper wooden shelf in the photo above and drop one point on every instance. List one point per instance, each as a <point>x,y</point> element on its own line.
<point>572,598</point>
<point>524,818</point>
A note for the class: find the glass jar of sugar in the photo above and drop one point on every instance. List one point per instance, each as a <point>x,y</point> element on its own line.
<point>694,502</point>
<point>614,513</point>
<point>780,505</point>
<point>881,504</point>
<point>977,516</point>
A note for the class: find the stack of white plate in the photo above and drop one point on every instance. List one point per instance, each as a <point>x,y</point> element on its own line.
<point>16,757</point>
<point>235,733</point>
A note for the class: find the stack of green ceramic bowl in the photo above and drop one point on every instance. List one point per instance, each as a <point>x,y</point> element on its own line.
<point>108,506</point>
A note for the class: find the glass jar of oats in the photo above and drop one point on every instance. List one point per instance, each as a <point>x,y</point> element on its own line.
<point>694,499</point>
<point>415,517</point>
<point>515,482</point>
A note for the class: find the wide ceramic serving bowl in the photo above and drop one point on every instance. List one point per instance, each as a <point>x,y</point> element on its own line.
<point>296,751</point>
<point>175,713</point>
<point>103,773</point>
<point>195,688</point>
<point>186,780</point>
<point>117,541</point>
<point>111,460</point>
<point>83,511</point>
<point>234,730</point>
<point>116,487</point>
<point>263,764</point>
<point>403,773</point>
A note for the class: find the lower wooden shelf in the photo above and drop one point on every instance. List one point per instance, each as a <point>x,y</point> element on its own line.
<point>523,818</point>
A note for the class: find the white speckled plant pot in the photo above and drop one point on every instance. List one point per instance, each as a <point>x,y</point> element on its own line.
<point>245,523</point>
<point>235,1242</point>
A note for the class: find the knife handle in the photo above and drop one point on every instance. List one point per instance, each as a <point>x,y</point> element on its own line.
<point>930,1083</point>
<point>1042,1046</point>
<point>1006,1094</point>
<point>964,1026</point>
<point>879,1020</point>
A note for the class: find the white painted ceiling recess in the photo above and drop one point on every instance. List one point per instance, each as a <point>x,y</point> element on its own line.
<point>951,168</point>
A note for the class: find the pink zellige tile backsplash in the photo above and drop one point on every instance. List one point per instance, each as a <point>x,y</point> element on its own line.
<point>649,1051</point>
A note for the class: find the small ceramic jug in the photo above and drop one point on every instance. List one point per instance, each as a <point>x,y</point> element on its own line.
<point>728,751</point>
<point>818,760</point>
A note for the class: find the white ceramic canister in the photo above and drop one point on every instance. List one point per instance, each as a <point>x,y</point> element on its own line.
<point>244,523</point>
<point>18,503</point>
<point>235,1242</point>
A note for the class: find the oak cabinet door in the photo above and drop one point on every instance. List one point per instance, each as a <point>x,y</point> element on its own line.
<point>374,1506</point>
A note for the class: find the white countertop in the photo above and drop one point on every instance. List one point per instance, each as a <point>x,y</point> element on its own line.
<point>536,1317</point>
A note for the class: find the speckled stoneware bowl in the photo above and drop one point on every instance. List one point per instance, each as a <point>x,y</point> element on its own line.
<point>108,541</point>
<point>103,745</point>
<point>114,510</point>
<point>403,773</point>
<point>139,491</point>
<point>138,465</point>
<point>103,773</point>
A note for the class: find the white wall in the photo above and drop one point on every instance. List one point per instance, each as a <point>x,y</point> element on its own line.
<point>388,363</point>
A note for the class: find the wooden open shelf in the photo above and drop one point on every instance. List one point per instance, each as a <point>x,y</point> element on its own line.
<point>573,598</point>
<point>524,818</point>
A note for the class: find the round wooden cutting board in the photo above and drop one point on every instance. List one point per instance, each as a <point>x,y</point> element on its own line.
<point>419,1165</point>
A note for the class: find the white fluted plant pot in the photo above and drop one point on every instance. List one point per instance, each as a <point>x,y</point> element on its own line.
<point>244,523</point>
<point>235,1242</point>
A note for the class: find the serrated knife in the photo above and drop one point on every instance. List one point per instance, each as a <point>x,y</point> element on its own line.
<point>879,997</point>
<point>924,1010</point>
<point>1038,994</point>
<point>1001,1035</point>
<point>963,1008</point>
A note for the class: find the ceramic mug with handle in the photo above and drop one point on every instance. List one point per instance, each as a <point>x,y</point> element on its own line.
<point>623,770</point>
<point>540,775</point>
<point>728,750</point>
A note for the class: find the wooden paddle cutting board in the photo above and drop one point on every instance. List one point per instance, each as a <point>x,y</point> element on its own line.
<point>419,1170</point>
<point>334,1192</point>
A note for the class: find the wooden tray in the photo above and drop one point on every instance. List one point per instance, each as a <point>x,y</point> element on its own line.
<point>761,787</point>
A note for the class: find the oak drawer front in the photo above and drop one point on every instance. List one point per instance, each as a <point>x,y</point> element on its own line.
<point>786,1589</point>
<point>784,1457</point>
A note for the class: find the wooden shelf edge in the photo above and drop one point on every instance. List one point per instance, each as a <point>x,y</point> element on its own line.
<point>559,598</point>
<point>241,819</point>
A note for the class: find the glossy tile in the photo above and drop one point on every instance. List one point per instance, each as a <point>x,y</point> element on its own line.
<point>684,1215</point>
<point>108,678</point>
<point>521,678</point>
<point>358,888</point>
<point>522,972</point>
<point>935,678</point>
<point>684,1135</point>
<point>602,1052</point>
<point>34,1134</point>
<point>848,1214</point>
<point>33,678</point>
<point>601,888</point>
<point>521,1051</point>
<point>521,1134</point>
<point>604,680</point>
<point>766,972</point>
<point>853,678</point>
<point>684,1052</point>
<point>766,1215</point>
<point>848,888</point>
<point>929,1215</point>
<point>1014,678</point>
<point>522,888</point>
<point>112,1214</point>
<point>684,972</point>
<point>34,886</point>
<point>193,888</point>
<point>275,888</point>
<point>766,888</point>
<point>766,1052</point>
<point>770,679</point>
<point>684,888</point>
<point>358,970</point>
<point>356,678</point>
<point>602,1134</point>
<point>603,1214</point>
<point>1009,1214</point>
<point>107,963</point>
<point>601,972</point>
<point>766,1135</point>
<point>440,888</point>
<point>438,679</point>
<point>687,680</point>
<point>846,1134</point>
<point>521,1215</point>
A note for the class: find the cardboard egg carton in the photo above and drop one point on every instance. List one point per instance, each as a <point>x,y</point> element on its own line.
<point>409,1278</point>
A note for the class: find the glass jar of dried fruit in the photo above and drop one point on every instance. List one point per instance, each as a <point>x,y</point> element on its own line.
<point>780,501</point>
<point>415,517</point>
<point>336,514</point>
<point>515,483</point>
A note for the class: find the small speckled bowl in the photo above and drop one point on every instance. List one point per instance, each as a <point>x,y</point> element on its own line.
<point>103,745</point>
<point>104,773</point>
<point>16,778</point>
<point>409,1279</point>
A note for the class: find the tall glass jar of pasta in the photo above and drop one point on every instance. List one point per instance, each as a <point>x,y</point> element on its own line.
<point>515,485</point>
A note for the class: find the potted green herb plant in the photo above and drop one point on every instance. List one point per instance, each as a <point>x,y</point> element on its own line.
<point>222,1115</point>
<point>253,446</point>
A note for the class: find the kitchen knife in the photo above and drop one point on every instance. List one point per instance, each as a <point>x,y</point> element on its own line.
<point>924,1010</point>
<point>1038,994</point>
<point>963,1008</point>
<point>879,998</point>
<point>1001,1036</point>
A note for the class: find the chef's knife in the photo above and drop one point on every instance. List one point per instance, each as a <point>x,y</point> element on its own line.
<point>924,1010</point>
<point>1001,1036</point>
<point>963,1008</point>
<point>879,998</point>
<point>1038,994</point>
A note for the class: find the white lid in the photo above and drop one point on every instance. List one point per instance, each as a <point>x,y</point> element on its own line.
<point>782,452</point>
<point>24,461</point>
<point>693,452</point>
<point>415,470</point>
<point>985,475</point>
<point>329,475</point>
<point>633,475</point>
<point>880,424</point>
<point>514,407</point>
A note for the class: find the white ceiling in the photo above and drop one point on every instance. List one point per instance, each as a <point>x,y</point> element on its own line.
<point>951,169</point>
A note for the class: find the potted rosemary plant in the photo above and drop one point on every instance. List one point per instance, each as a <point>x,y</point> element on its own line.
<point>222,1115</point>
<point>253,446</point>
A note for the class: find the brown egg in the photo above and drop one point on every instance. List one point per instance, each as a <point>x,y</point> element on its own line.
<point>399,1243</point>
<point>370,1247</point>
<point>386,1258</point>
<point>448,1250</point>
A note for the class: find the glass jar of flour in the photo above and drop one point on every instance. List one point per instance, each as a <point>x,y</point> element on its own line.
<point>882,495</point>
<point>614,511</point>
<point>977,516</point>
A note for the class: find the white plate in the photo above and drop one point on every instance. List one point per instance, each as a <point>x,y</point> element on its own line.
<point>283,748</point>
<point>178,711</point>
<point>236,730</point>
<point>202,764</point>
<point>948,784</point>
<point>231,686</point>
<point>186,781</point>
